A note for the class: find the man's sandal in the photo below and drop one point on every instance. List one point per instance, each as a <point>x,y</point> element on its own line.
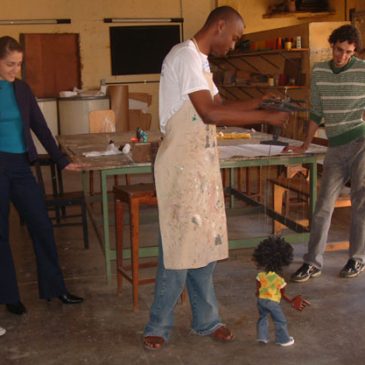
<point>222,334</point>
<point>153,342</point>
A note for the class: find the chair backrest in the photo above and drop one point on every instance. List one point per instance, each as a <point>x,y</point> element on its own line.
<point>102,121</point>
<point>55,175</point>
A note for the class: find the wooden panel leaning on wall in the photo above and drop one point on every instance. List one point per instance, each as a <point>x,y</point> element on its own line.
<point>51,63</point>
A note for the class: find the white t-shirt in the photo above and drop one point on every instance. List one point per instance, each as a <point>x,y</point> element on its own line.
<point>182,73</point>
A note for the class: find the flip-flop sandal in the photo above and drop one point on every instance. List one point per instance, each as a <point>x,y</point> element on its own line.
<point>153,342</point>
<point>222,334</point>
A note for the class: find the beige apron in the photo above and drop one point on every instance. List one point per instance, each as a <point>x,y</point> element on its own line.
<point>190,193</point>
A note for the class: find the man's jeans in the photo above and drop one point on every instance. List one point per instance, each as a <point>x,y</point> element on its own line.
<point>341,164</point>
<point>169,286</point>
<point>265,308</point>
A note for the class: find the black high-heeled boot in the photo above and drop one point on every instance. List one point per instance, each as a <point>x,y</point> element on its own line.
<point>16,308</point>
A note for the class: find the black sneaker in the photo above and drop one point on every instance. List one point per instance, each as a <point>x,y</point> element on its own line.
<point>352,268</point>
<point>305,272</point>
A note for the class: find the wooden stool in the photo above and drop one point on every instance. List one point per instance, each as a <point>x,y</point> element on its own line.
<point>134,196</point>
<point>282,185</point>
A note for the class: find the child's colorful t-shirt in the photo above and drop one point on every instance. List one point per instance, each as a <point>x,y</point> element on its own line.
<point>271,283</point>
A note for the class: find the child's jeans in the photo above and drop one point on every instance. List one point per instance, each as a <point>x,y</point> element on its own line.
<point>265,308</point>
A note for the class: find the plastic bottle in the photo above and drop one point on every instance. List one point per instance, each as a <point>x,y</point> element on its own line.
<point>298,42</point>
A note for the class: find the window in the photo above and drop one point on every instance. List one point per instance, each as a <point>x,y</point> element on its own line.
<point>141,49</point>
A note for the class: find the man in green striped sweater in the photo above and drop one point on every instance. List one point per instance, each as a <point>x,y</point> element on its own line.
<point>338,100</point>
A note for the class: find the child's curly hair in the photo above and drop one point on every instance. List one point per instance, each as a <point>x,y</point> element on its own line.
<point>273,253</point>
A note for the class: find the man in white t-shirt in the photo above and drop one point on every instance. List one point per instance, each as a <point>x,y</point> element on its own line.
<point>181,75</point>
<point>188,182</point>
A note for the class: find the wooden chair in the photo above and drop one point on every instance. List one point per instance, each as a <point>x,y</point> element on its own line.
<point>101,121</point>
<point>59,200</point>
<point>134,196</point>
<point>295,180</point>
<point>282,186</point>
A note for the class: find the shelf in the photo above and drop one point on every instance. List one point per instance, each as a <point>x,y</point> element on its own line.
<point>261,86</point>
<point>237,54</point>
<point>299,14</point>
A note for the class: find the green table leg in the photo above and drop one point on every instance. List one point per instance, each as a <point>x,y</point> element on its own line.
<point>105,208</point>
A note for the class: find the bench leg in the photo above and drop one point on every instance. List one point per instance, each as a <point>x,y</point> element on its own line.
<point>134,222</point>
<point>277,203</point>
<point>119,218</point>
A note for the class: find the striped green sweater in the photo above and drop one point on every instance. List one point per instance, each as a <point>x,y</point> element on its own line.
<point>338,96</point>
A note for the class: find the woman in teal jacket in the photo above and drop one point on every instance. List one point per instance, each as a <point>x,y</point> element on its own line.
<point>19,114</point>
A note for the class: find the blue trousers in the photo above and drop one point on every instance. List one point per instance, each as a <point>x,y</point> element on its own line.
<point>18,185</point>
<point>169,286</point>
<point>268,307</point>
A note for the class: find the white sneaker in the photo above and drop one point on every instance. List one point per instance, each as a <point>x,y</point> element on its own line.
<point>2,331</point>
<point>289,343</point>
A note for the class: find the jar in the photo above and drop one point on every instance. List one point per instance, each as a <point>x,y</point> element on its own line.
<point>288,45</point>
<point>291,6</point>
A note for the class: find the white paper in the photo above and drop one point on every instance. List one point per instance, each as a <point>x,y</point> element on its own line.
<point>110,150</point>
<point>249,150</point>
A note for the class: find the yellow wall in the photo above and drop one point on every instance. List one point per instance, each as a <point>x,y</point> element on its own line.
<point>87,20</point>
<point>87,15</point>
<point>252,12</point>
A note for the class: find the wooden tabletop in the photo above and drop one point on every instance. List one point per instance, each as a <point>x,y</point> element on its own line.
<point>75,145</point>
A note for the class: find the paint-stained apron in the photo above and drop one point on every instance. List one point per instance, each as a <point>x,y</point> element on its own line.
<point>190,192</point>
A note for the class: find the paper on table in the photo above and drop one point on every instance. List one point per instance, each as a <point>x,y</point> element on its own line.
<point>249,150</point>
<point>110,150</point>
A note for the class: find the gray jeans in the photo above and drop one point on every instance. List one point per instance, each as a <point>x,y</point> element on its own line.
<point>341,164</point>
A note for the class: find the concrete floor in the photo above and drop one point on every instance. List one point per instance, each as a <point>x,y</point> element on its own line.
<point>105,330</point>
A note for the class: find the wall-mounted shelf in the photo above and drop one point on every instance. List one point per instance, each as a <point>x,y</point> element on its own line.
<point>236,91</point>
<point>261,86</point>
<point>261,52</point>
<point>248,74</point>
<point>299,14</point>
<point>250,57</point>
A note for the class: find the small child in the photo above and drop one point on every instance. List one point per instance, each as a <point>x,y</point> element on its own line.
<point>2,331</point>
<point>271,255</point>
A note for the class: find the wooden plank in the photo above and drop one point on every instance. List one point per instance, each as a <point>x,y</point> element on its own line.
<point>337,246</point>
<point>51,62</point>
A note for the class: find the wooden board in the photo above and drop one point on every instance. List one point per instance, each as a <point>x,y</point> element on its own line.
<point>51,62</point>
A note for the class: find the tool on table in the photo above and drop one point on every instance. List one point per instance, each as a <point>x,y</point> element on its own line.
<point>286,104</point>
<point>141,135</point>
